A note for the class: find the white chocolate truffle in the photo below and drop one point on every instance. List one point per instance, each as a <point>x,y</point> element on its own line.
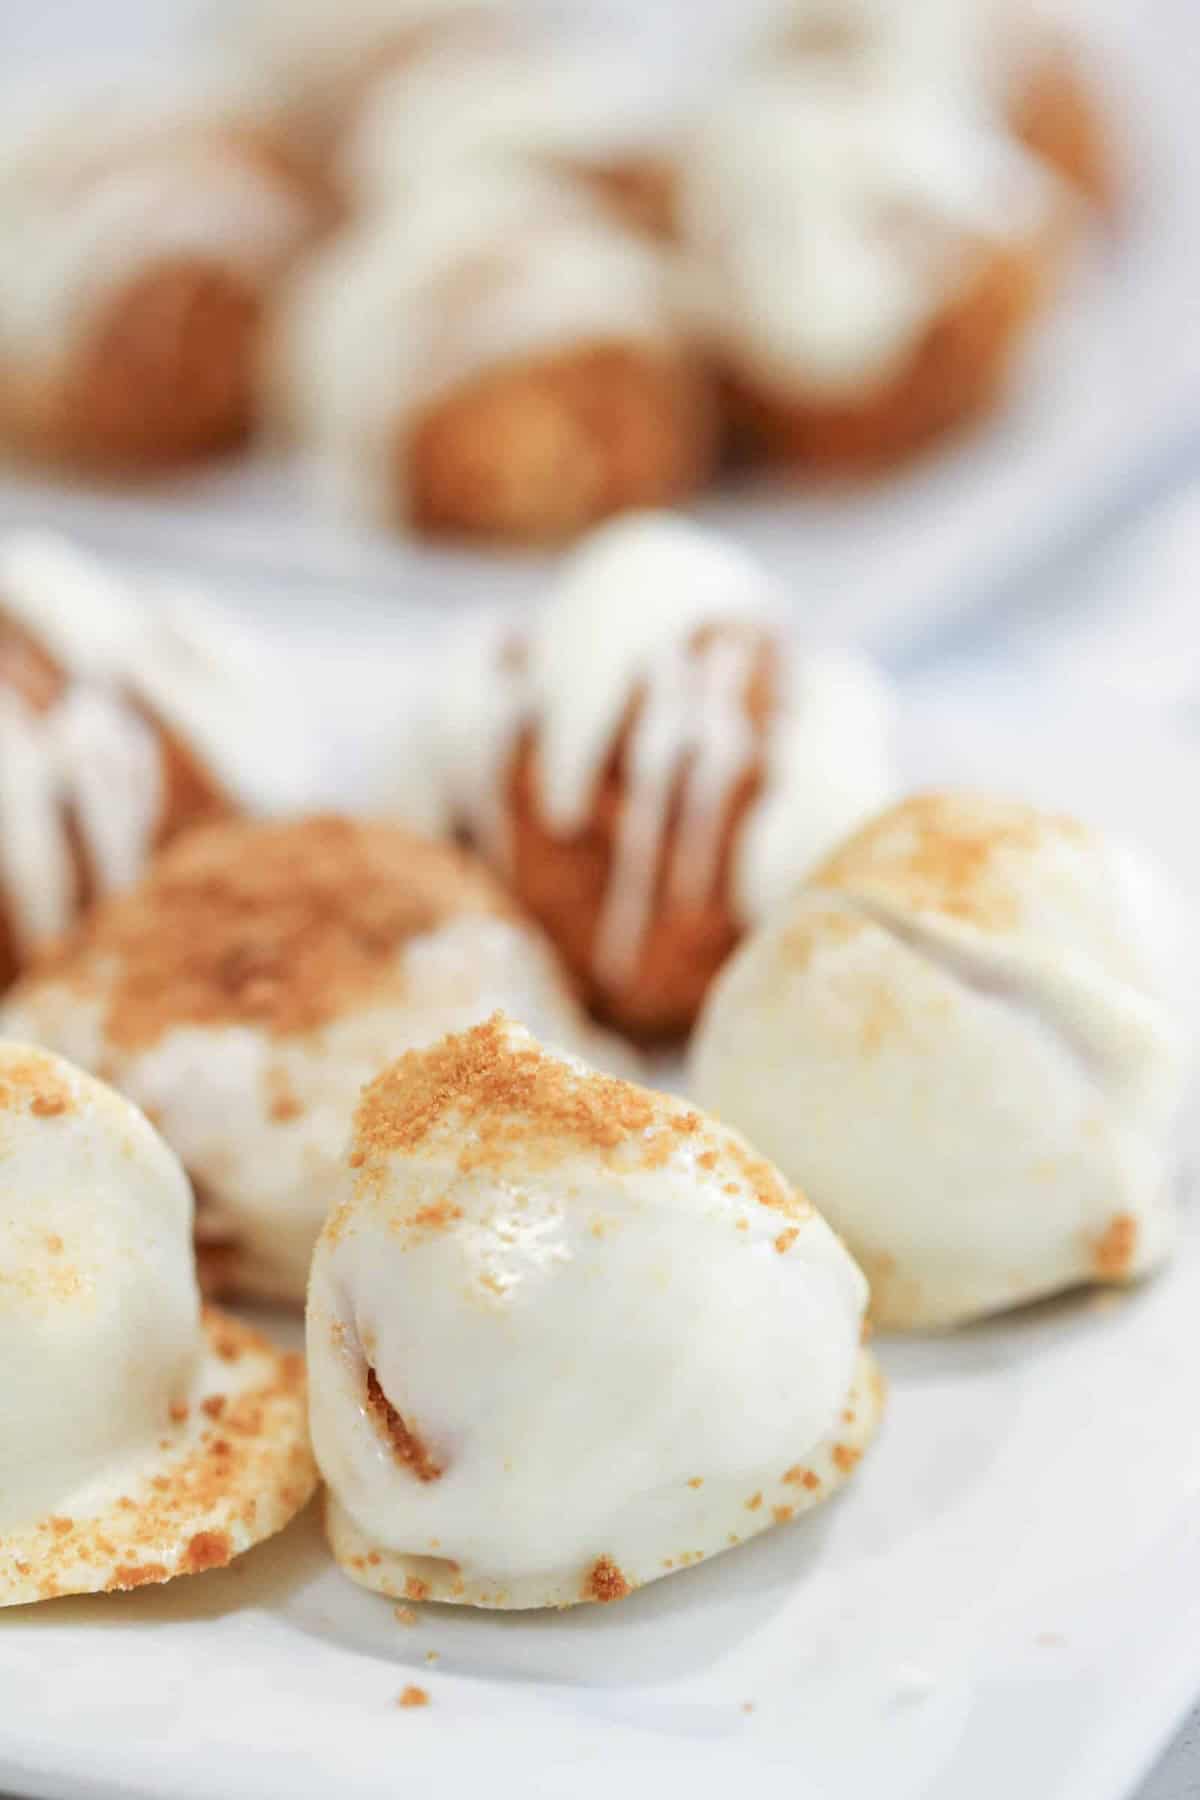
<point>110,1471</point>
<point>151,231</point>
<point>957,1037</point>
<point>250,986</point>
<point>831,217</point>
<point>493,269</point>
<point>566,1335</point>
<point>738,761</point>
<point>98,766</point>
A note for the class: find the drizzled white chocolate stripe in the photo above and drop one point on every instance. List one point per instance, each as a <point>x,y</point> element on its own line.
<point>90,765</point>
<point>663,613</point>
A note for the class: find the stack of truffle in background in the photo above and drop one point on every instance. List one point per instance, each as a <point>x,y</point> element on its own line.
<point>491,286</point>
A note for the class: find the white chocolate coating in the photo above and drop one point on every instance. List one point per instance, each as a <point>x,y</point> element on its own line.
<point>93,198</point>
<point>260,1120</point>
<point>545,105</point>
<point>99,1313</point>
<point>835,201</point>
<point>317,59</point>
<point>959,1039</point>
<point>606,1350</point>
<point>490,268</point>
<point>93,757</point>
<point>620,623</point>
<point>113,1472</point>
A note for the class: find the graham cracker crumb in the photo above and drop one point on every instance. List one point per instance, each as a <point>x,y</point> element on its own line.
<point>413,1696</point>
<point>1113,1252</point>
<point>276,924</point>
<point>207,1550</point>
<point>47,1106</point>
<point>945,852</point>
<point>604,1582</point>
<point>35,1081</point>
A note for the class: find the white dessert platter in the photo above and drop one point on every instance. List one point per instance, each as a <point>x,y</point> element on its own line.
<point>1001,1602</point>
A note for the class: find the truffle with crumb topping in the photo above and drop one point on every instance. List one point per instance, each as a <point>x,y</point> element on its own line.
<point>250,985</point>
<point>567,1335</point>
<point>960,1037</point>
<point>140,1437</point>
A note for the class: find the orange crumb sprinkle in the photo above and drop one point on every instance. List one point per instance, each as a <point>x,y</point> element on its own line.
<point>416,1589</point>
<point>604,1582</point>
<point>280,924</point>
<point>786,1239</point>
<point>1114,1251</point>
<point>845,1457</point>
<point>413,1696</point>
<point>207,1550</point>
<point>404,1615</point>
<point>754,1502</point>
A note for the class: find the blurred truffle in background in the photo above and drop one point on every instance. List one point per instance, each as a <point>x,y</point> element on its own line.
<point>874,213</point>
<point>497,357</point>
<point>123,724</point>
<point>499,279</point>
<point>145,230</point>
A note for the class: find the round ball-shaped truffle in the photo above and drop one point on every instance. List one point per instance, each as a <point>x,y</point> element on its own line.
<point>98,769</point>
<point>652,767</point>
<point>497,357</point>
<point>110,1474</point>
<point>100,1327</point>
<point>152,238</point>
<point>956,1037</point>
<point>566,1334</point>
<point>246,990</point>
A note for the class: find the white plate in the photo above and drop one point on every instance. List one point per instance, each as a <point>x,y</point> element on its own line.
<point>1110,392</point>
<point>1000,1605</point>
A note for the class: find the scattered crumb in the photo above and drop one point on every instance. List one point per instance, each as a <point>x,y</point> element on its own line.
<point>754,1502</point>
<point>413,1696</point>
<point>404,1615</point>
<point>786,1239</point>
<point>431,1656</point>
<point>1113,1252</point>
<point>604,1582</point>
<point>696,1481</point>
<point>747,1706</point>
